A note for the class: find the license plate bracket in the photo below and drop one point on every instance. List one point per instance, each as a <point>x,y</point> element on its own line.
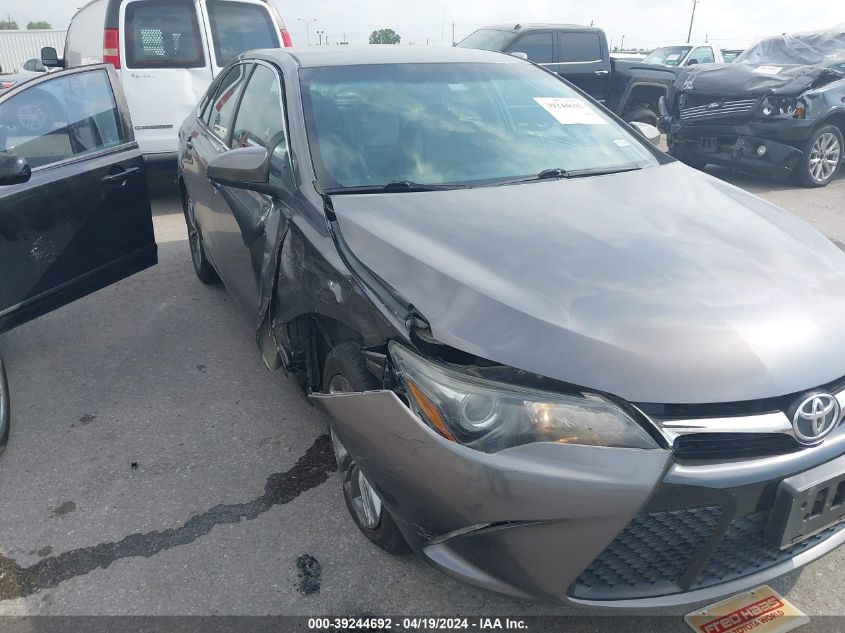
<point>807,503</point>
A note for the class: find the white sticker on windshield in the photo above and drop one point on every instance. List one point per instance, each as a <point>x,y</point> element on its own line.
<point>570,110</point>
<point>457,87</point>
<point>768,70</point>
<point>673,57</point>
<point>621,142</point>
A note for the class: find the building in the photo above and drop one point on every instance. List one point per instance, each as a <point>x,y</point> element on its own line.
<point>18,46</point>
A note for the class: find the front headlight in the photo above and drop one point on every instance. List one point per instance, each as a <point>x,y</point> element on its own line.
<point>783,106</point>
<point>490,416</point>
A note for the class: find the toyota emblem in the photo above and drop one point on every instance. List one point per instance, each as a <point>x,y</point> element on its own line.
<point>815,418</point>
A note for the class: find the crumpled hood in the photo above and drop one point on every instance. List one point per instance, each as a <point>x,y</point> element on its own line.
<point>662,285</point>
<point>754,79</point>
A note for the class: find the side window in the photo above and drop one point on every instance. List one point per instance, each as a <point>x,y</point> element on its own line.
<point>261,119</point>
<point>237,27</point>
<point>704,55</point>
<point>221,108</point>
<point>580,47</point>
<point>163,34</point>
<point>29,65</point>
<point>64,117</point>
<point>538,47</point>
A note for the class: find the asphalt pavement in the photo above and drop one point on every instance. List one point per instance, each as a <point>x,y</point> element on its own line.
<point>157,468</point>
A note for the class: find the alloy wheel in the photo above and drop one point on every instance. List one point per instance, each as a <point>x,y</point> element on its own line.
<point>32,117</point>
<point>193,234</point>
<point>365,501</point>
<point>824,157</point>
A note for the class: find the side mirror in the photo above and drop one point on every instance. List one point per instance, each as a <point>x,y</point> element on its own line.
<point>692,62</point>
<point>520,55</point>
<point>651,133</point>
<point>242,168</point>
<point>50,58</point>
<point>14,170</point>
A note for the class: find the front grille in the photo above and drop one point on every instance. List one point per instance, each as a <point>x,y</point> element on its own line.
<point>715,108</point>
<point>662,553</point>
<point>733,445</point>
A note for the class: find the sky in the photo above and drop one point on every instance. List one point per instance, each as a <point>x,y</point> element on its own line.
<point>643,23</point>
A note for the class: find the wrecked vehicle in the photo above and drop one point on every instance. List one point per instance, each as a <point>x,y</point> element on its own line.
<point>75,212</point>
<point>548,372</point>
<point>779,109</point>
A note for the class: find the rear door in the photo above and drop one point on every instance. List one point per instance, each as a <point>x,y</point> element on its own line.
<point>83,220</point>
<point>167,67</point>
<point>236,26</point>
<point>584,62</point>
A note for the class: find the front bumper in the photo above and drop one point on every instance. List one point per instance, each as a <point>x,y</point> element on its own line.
<point>576,524</point>
<point>736,146</point>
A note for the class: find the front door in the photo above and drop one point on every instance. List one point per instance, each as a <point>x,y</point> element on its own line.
<point>251,218</point>
<point>82,221</point>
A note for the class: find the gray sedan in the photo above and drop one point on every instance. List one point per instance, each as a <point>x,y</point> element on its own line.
<point>558,364</point>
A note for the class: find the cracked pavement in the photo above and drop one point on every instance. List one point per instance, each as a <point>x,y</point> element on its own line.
<point>156,468</point>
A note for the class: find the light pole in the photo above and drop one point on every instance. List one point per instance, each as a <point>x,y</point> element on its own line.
<point>307,29</point>
<point>692,18</point>
<point>320,35</point>
<point>622,45</point>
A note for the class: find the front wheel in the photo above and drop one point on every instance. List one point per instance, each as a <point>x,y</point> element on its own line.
<point>5,412</point>
<point>346,372</point>
<point>821,158</point>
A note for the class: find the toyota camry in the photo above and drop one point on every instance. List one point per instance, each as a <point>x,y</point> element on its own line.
<point>558,363</point>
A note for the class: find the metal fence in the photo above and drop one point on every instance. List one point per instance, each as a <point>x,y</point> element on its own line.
<point>18,46</point>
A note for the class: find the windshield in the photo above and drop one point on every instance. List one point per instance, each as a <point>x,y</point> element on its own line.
<point>812,49</point>
<point>668,55</point>
<point>460,124</point>
<point>487,40</point>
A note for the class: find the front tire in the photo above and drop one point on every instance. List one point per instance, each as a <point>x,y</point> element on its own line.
<point>346,372</point>
<point>822,157</point>
<point>5,407</point>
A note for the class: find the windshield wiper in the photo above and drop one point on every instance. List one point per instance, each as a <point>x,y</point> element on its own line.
<point>398,186</point>
<point>557,172</point>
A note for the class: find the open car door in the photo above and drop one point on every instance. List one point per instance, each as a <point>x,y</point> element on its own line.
<point>74,206</point>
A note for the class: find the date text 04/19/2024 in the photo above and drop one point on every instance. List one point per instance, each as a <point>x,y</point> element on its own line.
<point>416,624</point>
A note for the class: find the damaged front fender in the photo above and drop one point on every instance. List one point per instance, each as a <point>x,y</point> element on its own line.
<point>476,516</point>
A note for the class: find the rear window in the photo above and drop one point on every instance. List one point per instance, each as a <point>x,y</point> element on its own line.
<point>580,47</point>
<point>237,27</point>
<point>163,34</point>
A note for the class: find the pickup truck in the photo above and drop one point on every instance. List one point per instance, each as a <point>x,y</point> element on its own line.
<point>580,54</point>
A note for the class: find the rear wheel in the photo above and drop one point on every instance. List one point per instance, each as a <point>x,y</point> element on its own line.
<point>346,372</point>
<point>202,267</point>
<point>822,157</point>
<point>5,413</point>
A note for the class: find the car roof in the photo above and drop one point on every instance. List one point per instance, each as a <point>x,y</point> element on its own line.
<point>316,56</point>
<point>533,26</point>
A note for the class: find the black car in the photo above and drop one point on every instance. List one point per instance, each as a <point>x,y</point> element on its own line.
<point>580,55</point>
<point>74,208</point>
<point>547,370</point>
<point>778,110</point>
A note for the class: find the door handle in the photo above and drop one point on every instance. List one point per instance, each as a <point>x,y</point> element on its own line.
<point>121,177</point>
<point>189,144</point>
<point>602,72</point>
